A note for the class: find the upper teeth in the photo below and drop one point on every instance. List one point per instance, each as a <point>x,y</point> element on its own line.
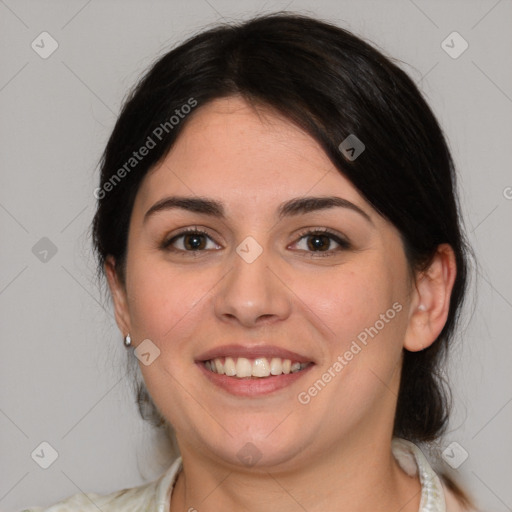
<point>260,367</point>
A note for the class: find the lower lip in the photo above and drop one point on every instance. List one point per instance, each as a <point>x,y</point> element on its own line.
<point>255,386</point>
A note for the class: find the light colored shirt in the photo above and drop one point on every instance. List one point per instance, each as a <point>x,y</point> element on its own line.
<point>156,496</point>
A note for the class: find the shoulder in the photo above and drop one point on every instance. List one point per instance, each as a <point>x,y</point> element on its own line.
<point>129,500</point>
<point>436,492</point>
<point>453,503</point>
<point>149,496</point>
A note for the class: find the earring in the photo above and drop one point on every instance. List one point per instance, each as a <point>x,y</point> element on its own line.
<point>127,340</point>
<point>422,307</point>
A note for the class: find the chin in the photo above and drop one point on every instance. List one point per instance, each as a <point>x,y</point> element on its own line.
<point>259,447</point>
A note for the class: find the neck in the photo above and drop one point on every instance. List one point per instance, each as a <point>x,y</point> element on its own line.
<point>358,476</point>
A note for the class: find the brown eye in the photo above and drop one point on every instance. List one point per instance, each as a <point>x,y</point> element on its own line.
<point>189,240</point>
<point>320,241</point>
<point>194,242</point>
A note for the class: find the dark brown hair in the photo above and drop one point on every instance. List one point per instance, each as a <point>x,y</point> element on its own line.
<point>331,84</point>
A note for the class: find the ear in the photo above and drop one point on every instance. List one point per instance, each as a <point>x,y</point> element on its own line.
<point>431,300</point>
<point>119,297</point>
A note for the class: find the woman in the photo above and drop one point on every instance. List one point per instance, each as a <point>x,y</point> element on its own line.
<point>278,223</point>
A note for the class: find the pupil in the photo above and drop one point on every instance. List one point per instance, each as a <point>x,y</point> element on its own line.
<point>196,242</point>
<point>319,245</point>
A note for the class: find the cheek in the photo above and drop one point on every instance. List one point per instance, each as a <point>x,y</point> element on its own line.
<point>346,301</point>
<point>363,311</point>
<point>165,307</point>
<point>165,300</point>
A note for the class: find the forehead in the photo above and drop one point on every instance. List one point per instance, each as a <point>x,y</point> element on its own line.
<point>235,152</point>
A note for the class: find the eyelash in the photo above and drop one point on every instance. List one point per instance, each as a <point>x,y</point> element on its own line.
<point>344,244</point>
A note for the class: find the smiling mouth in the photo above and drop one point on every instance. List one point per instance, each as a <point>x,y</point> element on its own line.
<point>258,368</point>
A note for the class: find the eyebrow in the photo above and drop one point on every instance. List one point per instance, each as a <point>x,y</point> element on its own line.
<point>214,208</point>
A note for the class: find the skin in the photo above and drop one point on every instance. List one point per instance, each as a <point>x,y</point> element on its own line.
<point>334,452</point>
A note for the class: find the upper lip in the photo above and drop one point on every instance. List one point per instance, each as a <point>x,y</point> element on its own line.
<point>252,352</point>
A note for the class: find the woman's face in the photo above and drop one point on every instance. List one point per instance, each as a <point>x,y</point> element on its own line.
<point>258,295</point>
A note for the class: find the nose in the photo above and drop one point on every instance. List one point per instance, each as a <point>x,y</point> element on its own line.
<point>253,293</point>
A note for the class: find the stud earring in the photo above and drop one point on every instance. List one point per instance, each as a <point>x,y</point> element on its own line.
<point>127,340</point>
<point>422,307</point>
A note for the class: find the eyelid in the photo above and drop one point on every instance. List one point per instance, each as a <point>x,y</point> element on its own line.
<point>168,240</point>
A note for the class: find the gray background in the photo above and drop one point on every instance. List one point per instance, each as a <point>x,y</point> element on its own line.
<point>63,369</point>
